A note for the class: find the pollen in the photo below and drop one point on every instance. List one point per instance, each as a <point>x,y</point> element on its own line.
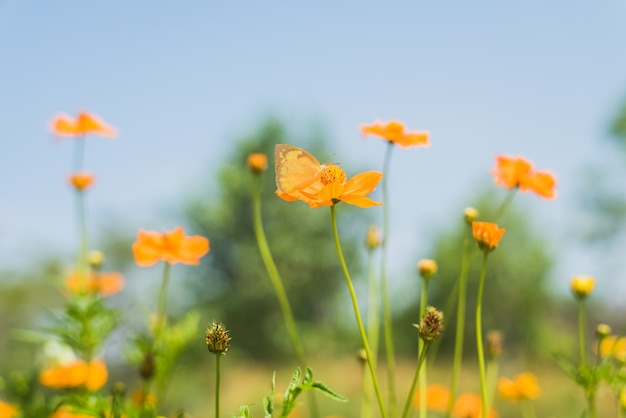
<point>332,174</point>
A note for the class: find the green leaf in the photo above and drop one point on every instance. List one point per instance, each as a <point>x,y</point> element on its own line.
<point>321,386</point>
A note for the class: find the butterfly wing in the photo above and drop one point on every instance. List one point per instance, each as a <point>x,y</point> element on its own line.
<point>295,168</point>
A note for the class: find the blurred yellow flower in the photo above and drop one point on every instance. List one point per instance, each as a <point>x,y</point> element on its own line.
<point>92,375</point>
<point>437,398</point>
<point>469,405</point>
<point>582,286</point>
<point>524,387</point>
<point>104,284</point>
<point>613,346</point>
<point>7,410</point>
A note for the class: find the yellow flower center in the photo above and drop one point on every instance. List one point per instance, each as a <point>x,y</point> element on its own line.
<point>332,174</point>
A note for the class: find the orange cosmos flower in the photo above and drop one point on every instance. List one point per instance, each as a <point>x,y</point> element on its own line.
<point>92,375</point>
<point>487,235</point>
<point>393,132</point>
<point>524,387</point>
<point>104,284</point>
<point>173,247</point>
<point>7,410</point>
<point>437,398</point>
<point>512,172</point>
<point>469,405</point>
<point>81,181</point>
<point>84,124</point>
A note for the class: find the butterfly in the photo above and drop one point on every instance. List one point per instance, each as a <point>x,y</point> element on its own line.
<point>295,168</point>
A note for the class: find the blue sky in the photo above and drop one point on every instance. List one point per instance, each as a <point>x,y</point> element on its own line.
<point>537,79</point>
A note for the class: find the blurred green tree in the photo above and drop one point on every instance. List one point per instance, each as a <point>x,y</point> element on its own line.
<point>233,286</point>
<point>516,298</point>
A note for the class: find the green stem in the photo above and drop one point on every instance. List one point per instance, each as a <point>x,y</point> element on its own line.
<point>79,153</point>
<point>83,240</point>
<point>505,203</point>
<point>460,323</point>
<point>479,337</point>
<point>527,410</point>
<point>421,345</point>
<point>420,361</point>
<point>162,307</point>
<point>218,357</point>
<point>277,283</point>
<point>591,404</point>
<point>373,331</point>
<point>357,314</point>
<point>581,331</point>
<point>387,315</point>
<point>274,275</point>
<point>492,380</point>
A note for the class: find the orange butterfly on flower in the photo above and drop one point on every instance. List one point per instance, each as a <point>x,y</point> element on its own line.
<point>300,176</point>
<point>395,133</point>
<point>516,172</point>
<point>84,124</point>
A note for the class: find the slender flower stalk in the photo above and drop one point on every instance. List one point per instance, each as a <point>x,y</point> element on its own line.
<point>386,300</point>
<point>505,203</point>
<point>357,313</point>
<point>274,275</point>
<point>218,342</point>
<point>218,357</point>
<point>479,337</point>
<point>582,323</point>
<point>420,362</point>
<point>581,287</point>
<point>527,410</point>
<point>487,236</point>
<point>422,347</point>
<point>430,328</point>
<point>493,366</point>
<point>460,323</point>
<point>256,165</point>
<point>162,304</point>
<point>373,241</point>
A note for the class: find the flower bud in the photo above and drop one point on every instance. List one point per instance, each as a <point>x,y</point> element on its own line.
<point>217,338</point>
<point>373,238</point>
<point>361,356</point>
<point>581,286</point>
<point>427,268</point>
<point>470,214</point>
<point>494,344</point>
<point>431,324</point>
<point>81,181</point>
<point>603,331</point>
<point>95,259</point>
<point>257,162</point>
